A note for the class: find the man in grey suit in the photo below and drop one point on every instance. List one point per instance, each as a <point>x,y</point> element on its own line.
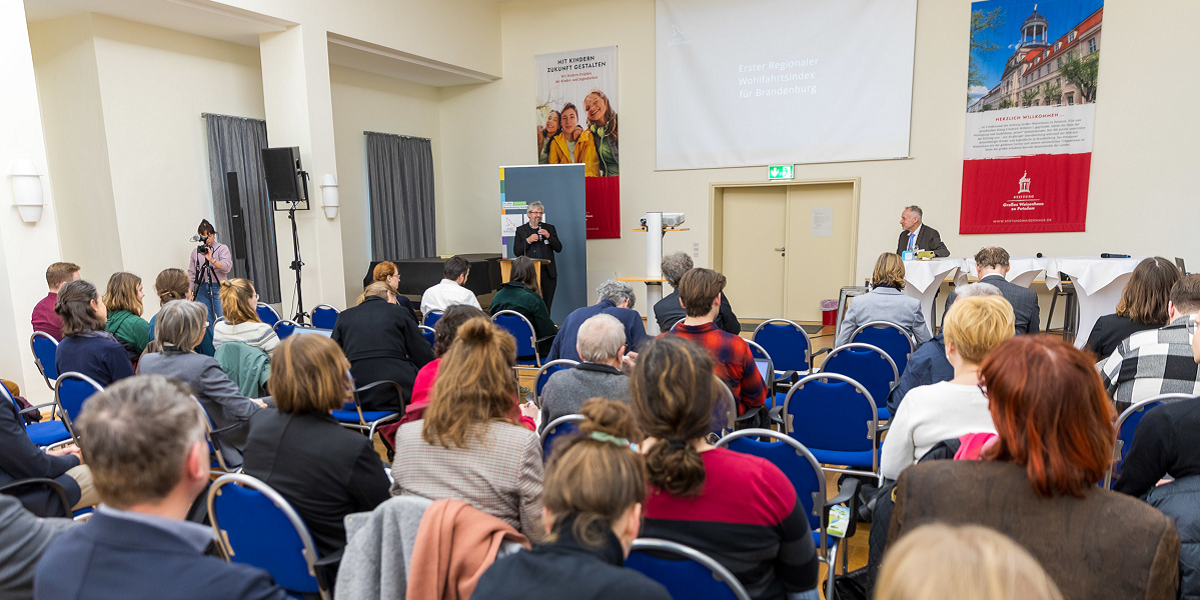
<point>23,539</point>
<point>918,236</point>
<point>992,263</point>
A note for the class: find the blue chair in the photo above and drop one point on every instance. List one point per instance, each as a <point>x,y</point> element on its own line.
<point>324,316</point>
<point>803,470</point>
<point>45,434</point>
<point>70,392</point>
<point>352,416</point>
<point>283,328</point>
<point>562,426</point>
<point>684,571</point>
<point>544,373</point>
<point>789,346</point>
<point>837,420</point>
<point>521,329</point>
<point>219,464</point>
<point>1127,425</point>
<point>256,526</point>
<point>431,319</point>
<point>44,348</point>
<point>266,314</point>
<point>868,365</point>
<point>890,338</point>
<point>428,334</point>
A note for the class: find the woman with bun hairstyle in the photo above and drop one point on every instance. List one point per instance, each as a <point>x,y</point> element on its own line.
<point>86,347</point>
<point>171,285</point>
<point>739,509</point>
<point>470,446</point>
<point>208,290</point>
<point>593,495</point>
<point>241,324</point>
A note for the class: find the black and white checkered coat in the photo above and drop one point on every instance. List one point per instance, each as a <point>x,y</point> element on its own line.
<point>1149,363</point>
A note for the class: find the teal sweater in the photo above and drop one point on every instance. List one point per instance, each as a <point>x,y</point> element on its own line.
<point>513,296</point>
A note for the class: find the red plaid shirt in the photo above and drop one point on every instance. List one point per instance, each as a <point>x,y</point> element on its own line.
<point>732,362</point>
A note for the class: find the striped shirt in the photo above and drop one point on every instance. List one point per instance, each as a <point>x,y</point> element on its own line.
<point>1149,363</point>
<point>252,333</point>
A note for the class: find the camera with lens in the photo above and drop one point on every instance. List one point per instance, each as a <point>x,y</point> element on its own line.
<point>203,248</point>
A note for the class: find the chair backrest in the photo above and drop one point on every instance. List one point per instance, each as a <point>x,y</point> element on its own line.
<point>562,426</point>
<point>214,442</point>
<point>796,462</point>
<point>725,411</point>
<point>684,571</point>
<point>765,364</point>
<point>890,338</point>
<point>284,327</point>
<point>324,316</point>
<point>259,528</point>
<point>428,334</point>
<point>516,324</point>
<point>832,412</point>
<point>544,373</point>
<point>70,392</point>
<point>356,404</point>
<point>787,342</point>
<point>266,314</point>
<point>44,348</point>
<point>431,319</point>
<point>1126,426</point>
<point>866,364</point>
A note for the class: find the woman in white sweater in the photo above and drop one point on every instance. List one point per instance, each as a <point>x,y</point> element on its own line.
<point>950,409</point>
<point>239,302</point>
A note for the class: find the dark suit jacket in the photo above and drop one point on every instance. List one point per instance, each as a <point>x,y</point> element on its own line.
<point>20,458</point>
<point>1104,546</point>
<point>927,365</point>
<point>539,250</point>
<point>1023,300</point>
<point>323,469</point>
<point>668,311</point>
<point>111,557</point>
<point>382,342</point>
<point>928,238</point>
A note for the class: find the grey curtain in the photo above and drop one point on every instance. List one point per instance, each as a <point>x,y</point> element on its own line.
<point>400,179</point>
<point>235,145</point>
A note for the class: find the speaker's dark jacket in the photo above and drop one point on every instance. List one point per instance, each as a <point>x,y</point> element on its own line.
<point>928,238</point>
<point>539,250</point>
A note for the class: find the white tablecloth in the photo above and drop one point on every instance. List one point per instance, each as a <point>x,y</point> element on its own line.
<point>923,278</point>
<point>1022,270</point>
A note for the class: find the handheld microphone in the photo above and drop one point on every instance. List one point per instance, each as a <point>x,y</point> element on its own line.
<point>1107,255</point>
<point>196,238</point>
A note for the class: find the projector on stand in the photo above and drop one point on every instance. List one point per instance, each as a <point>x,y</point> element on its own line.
<point>668,219</point>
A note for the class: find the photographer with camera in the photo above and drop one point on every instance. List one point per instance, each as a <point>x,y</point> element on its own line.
<point>208,267</point>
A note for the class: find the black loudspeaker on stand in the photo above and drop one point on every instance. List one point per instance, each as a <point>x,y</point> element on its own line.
<point>287,190</point>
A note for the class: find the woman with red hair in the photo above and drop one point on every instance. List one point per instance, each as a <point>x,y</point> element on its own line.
<point>1037,483</point>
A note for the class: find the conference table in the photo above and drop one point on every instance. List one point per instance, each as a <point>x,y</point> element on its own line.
<point>1098,281</point>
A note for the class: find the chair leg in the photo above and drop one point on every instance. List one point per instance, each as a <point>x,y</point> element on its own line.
<point>831,562</point>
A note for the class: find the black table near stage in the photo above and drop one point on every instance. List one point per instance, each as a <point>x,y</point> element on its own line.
<point>420,274</point>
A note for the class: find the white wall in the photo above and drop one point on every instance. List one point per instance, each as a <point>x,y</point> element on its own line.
<point>367,102</point>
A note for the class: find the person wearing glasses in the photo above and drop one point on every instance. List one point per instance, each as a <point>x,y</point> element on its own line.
<point>538,240</point>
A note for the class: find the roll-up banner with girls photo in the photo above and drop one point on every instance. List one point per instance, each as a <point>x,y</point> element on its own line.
<point>577,123</point>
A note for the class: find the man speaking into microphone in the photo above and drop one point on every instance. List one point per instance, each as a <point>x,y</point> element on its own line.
<point>538,240</point>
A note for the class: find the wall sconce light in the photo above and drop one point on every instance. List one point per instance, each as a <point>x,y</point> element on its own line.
<point>329,195</point>
<point>27,190</point>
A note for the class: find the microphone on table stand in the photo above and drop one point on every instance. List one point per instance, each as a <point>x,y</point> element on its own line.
<point>1039,254</point>
<point>1108,255</point>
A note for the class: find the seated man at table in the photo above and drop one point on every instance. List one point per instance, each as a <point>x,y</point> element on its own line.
<point>668,311</point>
<point>450,290</point>
<point>616,299</point>
<point>917,236</point>
<point>1157,361</point>
<point>992,263</point>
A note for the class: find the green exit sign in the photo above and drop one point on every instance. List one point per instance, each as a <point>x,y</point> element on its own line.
<point>781,172</point>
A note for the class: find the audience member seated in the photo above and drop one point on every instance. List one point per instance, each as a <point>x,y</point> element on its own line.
<point>386,272</point>
<point>44,319</point>
<point>145,441</point>
<point>469,447</point>
<point>1037,483</point>
<point>382,344</point>
<point>668,311</point>
<point>239,302</point>
<point>123,302</point>
<point>86,348</point>
<point>928,365</point>
<point>1157,361</point>
<point>616,299</point>
<point>700,293</point>
<point>24,537</point>
<point>594,492</point>
<point>885,302</point>
<point>739,509</point>
<point>20,458</point>
<point>974,563</point>
<point>179,329</point>
<point>1143,306</point>
<point>444,333</point>
<point>949,409</point>
<point>522,295</point>
<point>601,345</point>
<point>450,291</point>
<point>170,285</point>
<point>993,266</point>
<point>322,469</point>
